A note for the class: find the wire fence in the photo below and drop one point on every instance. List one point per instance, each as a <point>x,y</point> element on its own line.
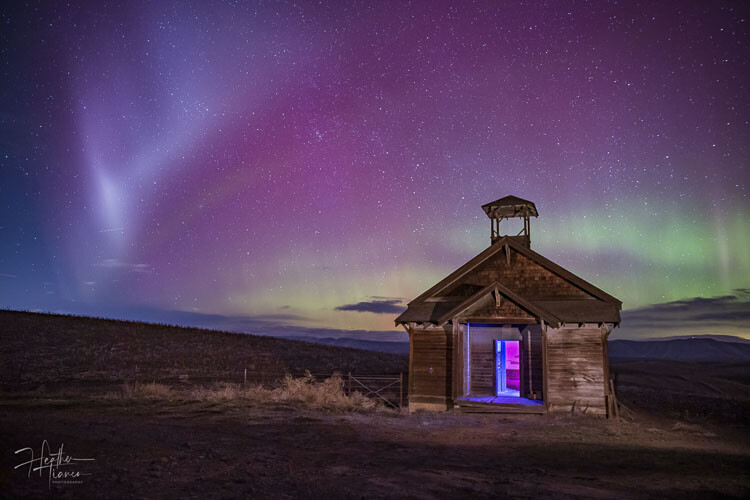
<point>390,389</point>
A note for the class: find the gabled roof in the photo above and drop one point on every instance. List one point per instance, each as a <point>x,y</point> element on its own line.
<point>498,246</point>
<point>510,205</point>
<point>581,311</point>
<point>597,306</point>
<point>426,312</point>
<point>496,287</point>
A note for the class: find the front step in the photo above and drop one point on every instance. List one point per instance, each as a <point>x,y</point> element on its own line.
<point>476,407</point>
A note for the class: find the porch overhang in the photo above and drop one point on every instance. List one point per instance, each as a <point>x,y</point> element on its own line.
<point>462,310</point>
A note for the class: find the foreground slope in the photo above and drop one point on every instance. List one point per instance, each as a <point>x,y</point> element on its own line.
<point>250,449</point>
<point>51,349</point>
<point>236,444</point>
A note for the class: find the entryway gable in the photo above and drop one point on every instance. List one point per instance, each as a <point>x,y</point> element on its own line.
<point>496,303</point>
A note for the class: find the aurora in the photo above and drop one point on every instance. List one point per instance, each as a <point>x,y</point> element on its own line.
<point>277,161</point>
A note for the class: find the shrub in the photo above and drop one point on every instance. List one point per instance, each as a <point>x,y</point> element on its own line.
<point>328,394</point>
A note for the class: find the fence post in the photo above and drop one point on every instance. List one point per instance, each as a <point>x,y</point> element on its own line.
<point>349,385</point>
<point>401,391</point>
<point>245,382</point>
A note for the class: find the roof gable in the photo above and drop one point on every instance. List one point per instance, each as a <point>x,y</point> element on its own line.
<point>510,206</point>
<point>530,285</point>
<point>526,272</point>
<point>498,301</point>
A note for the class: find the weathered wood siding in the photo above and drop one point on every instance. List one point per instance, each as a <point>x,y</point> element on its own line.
<point>522,275</point>
<point>431,368</point>
<point>496,311</point>
<point>534,378</point>
<point>575,370</point>
<point>482,368</point>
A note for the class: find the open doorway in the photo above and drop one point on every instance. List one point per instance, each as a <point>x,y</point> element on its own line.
<point>508,368</point>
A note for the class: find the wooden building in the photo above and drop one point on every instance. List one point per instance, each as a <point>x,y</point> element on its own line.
<point>510,331</point>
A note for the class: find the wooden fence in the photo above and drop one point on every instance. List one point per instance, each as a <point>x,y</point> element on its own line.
<point>389,389</point>
<point>386,388</point>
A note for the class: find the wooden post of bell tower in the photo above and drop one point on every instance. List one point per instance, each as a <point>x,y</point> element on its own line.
<point>510,207</point>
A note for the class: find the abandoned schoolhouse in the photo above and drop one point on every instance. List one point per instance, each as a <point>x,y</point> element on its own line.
<point>510,331</point>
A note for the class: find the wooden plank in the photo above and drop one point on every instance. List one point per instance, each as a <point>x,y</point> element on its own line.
<point>410,389</point>
<point>423,398</point>
<point>482,366</point>
<point>501,320</point>
<point>530,383</point>
<point>605,358</point>
<point>545,367</point>
<point>432,363</point>
<point>458,360</point>
<point>575,363</point>
<point>455,376</point>
<point>477,407</point>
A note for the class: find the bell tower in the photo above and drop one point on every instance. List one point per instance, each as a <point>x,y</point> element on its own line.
<point>505,209</point>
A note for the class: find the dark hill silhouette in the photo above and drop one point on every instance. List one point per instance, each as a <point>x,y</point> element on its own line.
<point>720,338</point>
<point>690,349</point>
<point>696,349</point>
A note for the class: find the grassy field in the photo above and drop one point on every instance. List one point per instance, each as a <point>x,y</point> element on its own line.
<point>175,427</point>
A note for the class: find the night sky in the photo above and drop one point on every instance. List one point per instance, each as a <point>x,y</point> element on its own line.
<point>312,165</point>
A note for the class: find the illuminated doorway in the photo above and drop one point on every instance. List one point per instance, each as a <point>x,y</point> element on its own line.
<point>508,372</point>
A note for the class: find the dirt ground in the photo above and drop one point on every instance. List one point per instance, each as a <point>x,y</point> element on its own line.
<point>192,449</point>
<point>60,378</point>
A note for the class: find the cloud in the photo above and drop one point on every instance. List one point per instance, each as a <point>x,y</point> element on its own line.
<point>118,264</point>
<point>378,305</point>
<point>724,315</point>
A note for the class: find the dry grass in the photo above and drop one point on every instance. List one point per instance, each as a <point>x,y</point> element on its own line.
<point>327,394</point>
<point>150,390</point>
<point>225,392</point>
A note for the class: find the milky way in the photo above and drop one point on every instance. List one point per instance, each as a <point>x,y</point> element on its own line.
<point>282,160</point>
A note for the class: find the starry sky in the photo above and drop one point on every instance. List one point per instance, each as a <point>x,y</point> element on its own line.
<point>316,164</point>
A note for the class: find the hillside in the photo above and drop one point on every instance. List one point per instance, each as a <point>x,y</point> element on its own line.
<point>73,381</point>
<point>370,345</point>
<point>687,349</point>
<point>711,349</point>
<point>51,349</point>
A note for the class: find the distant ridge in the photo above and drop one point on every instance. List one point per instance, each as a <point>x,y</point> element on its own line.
<point>719,338</point>
<point>681,349</point>
<point>696,349</point>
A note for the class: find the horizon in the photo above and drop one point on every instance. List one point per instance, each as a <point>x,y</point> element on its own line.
<point>716,317</point>
<point>312,168</point>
